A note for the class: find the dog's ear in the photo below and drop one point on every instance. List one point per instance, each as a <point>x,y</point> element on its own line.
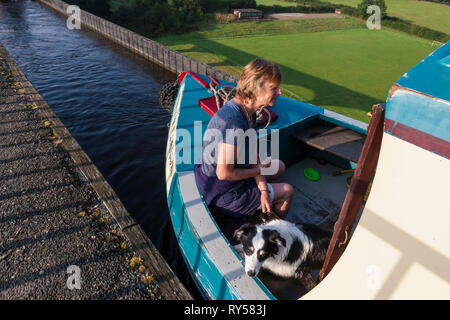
<point>243,232</point>
<point>276,238</point>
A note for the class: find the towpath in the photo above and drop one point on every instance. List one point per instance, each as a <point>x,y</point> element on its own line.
<point>58,236</point>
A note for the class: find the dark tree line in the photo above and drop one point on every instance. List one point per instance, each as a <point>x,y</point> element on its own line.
<point>156,17</point>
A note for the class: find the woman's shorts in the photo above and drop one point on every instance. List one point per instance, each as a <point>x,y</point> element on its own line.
<point>241,202</point>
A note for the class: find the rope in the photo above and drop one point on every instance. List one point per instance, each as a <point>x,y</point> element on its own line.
<point>223,94</point>
<point>168,92</point>
<point>259,116</point>
<point>226,93</point>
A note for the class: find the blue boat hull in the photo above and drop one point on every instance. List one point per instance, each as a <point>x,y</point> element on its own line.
<point>214,265</point>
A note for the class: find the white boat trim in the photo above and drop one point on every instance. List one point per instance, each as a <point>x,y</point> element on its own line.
<point>400,247</point>
<point>214,243</point>
<point>340,117</point>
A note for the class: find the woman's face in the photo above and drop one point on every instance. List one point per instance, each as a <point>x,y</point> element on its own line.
<point>268,94</point>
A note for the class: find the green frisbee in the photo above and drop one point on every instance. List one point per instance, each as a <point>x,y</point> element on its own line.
<point>311,174</point>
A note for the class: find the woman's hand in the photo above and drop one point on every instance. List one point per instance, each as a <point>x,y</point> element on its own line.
<point>266,204</point>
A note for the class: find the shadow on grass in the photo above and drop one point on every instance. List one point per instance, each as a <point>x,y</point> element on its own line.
<point>325,92</point>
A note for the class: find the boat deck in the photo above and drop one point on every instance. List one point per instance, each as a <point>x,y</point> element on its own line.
<point>317,202</point>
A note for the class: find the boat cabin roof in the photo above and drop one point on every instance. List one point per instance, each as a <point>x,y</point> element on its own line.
<point>431,76</point>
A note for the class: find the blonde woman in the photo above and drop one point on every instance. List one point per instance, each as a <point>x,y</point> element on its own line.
<point>230,183</point>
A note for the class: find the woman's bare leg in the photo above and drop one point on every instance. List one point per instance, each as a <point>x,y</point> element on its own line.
<point>283,195</point>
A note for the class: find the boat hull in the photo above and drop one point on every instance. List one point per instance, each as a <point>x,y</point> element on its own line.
<point>213,263</point>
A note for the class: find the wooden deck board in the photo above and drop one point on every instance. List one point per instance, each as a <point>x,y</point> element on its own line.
<point>316,202</point>
<point>337,140</point>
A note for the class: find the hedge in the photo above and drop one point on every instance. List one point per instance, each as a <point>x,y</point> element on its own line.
<point>391,22</point>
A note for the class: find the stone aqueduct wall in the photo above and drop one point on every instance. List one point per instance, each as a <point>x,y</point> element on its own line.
<point>152,50</point>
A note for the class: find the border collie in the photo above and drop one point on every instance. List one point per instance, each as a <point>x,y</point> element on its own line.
<point>284,248</point>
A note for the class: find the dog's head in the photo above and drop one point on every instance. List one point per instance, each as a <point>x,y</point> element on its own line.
<point>259,244</point>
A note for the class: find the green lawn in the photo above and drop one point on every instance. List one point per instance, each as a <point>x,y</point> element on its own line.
<point>432,15</point>
<point>245,29</point>
<point>346,70</point>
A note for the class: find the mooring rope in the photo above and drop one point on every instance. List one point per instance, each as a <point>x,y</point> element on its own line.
<point>259,116</point>
<point>223,94</point>
<point>226,93</point>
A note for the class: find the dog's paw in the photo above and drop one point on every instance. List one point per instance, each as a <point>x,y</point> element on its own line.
<point>298,274</point>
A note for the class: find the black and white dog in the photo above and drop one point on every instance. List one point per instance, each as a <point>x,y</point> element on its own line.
<point>284,248</point>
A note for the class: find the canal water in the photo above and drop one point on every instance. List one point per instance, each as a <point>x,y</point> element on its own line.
<point>107,97</point>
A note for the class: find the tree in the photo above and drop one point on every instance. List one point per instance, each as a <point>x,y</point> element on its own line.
<point>156,17</point>
<point>98,7</point>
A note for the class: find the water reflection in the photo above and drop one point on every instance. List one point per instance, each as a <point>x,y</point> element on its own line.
<point>107,97</point>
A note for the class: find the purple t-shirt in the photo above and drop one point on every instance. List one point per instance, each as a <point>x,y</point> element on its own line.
<point>230,126</point>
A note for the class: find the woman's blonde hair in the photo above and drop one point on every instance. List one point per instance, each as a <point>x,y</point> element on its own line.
<point>254,75</point>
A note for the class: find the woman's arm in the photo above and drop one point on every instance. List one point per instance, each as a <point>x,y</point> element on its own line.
<point>226,159</point>
<point>261,182</point>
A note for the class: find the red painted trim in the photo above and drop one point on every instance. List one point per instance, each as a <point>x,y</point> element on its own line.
<point>209,104</point>
<point>214,80</point>
<point>181,77</point>
<point>195,76</point>
<point>199,80</point>
<point>388,124</point>
<point>419,138</point>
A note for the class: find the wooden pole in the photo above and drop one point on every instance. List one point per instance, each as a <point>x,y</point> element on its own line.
<point>363,174</point>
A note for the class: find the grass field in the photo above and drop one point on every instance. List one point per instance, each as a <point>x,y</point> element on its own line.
<point>346,70</point>
<point>432,15</point>
<point>245,29</point>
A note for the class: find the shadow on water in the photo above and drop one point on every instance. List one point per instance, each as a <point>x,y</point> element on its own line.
<point>106,96</point>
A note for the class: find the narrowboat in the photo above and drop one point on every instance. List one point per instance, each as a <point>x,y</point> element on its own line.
<point>382,191</point>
